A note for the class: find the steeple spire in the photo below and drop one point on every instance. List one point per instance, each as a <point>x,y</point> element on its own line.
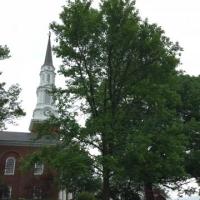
<point>48,58</point>
<point>45,105</point>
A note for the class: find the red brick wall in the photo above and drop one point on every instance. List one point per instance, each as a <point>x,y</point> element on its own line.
<point>23,182</point>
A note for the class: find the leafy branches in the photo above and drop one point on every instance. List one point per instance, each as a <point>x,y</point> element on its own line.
<point>9,104</point>
<point>121,72</point>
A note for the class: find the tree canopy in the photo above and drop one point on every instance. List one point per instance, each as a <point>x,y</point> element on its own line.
<point>121,75</point>
<point>4,52</point>
<point>189,90</point>
<point>9,104</point>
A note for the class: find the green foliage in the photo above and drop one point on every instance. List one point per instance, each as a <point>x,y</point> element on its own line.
<point>9,103</point>
<point>121,76</point>
<point>4,52</point>
<point>125,188</point>
<point>85,196</point>
<point>189,90</point>
<point>72,164</point>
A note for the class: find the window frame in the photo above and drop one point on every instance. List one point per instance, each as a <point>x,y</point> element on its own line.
<point>38,169</point>
<point>7,195</point>
<point>7,169</point>
<point>47,98</point>
<point>48,78</point>
<point>37,193</point>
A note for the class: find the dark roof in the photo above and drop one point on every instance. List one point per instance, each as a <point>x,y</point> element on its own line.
<point>23,139</point>
<point>48,58</point>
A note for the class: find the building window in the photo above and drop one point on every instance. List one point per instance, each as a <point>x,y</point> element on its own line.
<point>48,78</point>
<point>47,98</point>
<point>10,166</point>
<point>38,169</point>
<point>6,192</point>
<point>37,192</point>
<point>43,78</point>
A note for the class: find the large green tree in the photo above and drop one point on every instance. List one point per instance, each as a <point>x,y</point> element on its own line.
<point>9,104</point>
<point>120,74</point>
<point>4,52</point>
<point>189,90</point>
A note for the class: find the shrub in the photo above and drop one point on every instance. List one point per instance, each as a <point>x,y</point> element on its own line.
<point>85,196</point>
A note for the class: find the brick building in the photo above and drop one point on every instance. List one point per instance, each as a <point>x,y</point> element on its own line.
<point>38,182</point>
<point>14,183</point>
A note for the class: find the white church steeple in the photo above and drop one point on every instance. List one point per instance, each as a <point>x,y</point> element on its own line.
<point>45,106</point>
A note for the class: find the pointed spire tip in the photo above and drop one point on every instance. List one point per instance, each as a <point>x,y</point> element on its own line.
<point>48,58</point>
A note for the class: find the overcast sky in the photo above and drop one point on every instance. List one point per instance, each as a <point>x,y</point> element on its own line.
<point>24,28</point>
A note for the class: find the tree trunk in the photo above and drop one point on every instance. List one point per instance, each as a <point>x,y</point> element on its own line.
<point>148,191</point>
<point>106,185</point>
<point>106,171</point>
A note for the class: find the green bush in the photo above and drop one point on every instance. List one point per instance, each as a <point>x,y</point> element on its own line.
<point>85,196</point>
